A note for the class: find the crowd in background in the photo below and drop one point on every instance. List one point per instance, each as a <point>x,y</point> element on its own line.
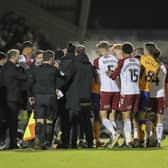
<point>62,88</point>
<point>14,29</point>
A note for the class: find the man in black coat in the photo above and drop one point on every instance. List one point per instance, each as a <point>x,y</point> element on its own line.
<point>38,60</point>
<point>65,66</point>
<point>2,101</point>
<point>75,92</point>
<point>70,112</point>
<point>44,78</point>
<point>25,61</point>
<point>84,88</point>
<point>12,79</point>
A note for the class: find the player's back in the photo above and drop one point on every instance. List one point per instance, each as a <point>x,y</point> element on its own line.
<point>150,70</point>
<point>107,63</point>
<point>158,84</point>
<point>129,76</point>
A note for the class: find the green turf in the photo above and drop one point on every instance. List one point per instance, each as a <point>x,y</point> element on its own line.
<point>102,158</point>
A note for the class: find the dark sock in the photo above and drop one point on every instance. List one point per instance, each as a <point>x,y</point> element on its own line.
<point>3,128</point>
<point>40,133</point>
<point>49,133</point>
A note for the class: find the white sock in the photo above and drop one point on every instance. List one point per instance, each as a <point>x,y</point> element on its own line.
<point>149,127</point>
<point>127,130</point>
<point>136,133</point>
<point>113,124</point>
<point>159,131</point>
<point>108,126</point>
<point>151,133</point>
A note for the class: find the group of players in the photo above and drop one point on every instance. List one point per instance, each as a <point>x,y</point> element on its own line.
<point>129,92</point>
<point>131,86</point>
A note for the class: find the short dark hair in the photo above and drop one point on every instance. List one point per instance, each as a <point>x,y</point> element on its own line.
<point>2,55</point>
<point>152,49</point>
<point>38,52</point>
<point>12,53</point>
<point>157,53</point>
<point>48,54</point>
<point>59,54</point>
<point>71,49</point>
<point>80,49</point>
<point>27,44</point>
<point>127,48</point>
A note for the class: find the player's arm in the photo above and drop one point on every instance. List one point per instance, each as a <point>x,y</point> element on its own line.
<point>166,89</point>
<point>31,82</point>
<point>166,94</point>
<point>142,71</point>
<point>97,77</point>
<point>157,72</point>
<point>114,74</point>
<point>96,70</point>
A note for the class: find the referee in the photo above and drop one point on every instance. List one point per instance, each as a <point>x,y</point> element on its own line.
<point>44,79</point>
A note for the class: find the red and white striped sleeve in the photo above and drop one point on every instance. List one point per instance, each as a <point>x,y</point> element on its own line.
<point>96,63</point>
<point>117,71</point>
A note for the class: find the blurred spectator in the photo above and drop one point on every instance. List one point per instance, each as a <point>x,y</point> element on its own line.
<point>25,59</point>
<point>14,30</point>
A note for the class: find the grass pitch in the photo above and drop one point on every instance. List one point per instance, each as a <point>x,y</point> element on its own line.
<point>96,158</point>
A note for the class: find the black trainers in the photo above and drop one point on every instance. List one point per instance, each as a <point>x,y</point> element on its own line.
<point>14,147</point>
<point>130,145</point>
<point>136,143</point>
<point>82,144</point>
<point>37,144</point>
<point>3,146</point>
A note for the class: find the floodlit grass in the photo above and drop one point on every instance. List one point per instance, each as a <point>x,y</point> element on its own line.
<point>96,158</point>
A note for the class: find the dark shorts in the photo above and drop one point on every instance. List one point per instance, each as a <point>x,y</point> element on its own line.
<point>45,107</point>
<point>109,101</point>
<point>156,105</point>
<point>2,112</point>
<point>129,103</point>
<point>144,101</point>
<point>96,105</point>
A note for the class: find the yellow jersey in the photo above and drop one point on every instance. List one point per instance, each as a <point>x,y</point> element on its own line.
<point>149,72</point>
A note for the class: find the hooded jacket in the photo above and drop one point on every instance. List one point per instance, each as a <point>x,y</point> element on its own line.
<point>85,78</point>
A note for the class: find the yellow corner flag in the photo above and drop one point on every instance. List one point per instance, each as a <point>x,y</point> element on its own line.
<point>30,129</point>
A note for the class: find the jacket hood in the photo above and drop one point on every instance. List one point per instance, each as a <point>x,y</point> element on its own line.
<point>83,58</point>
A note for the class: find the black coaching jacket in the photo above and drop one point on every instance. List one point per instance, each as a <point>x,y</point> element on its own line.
<point>77,87</point>
<point>43,80</point>
<point>12,80</point>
